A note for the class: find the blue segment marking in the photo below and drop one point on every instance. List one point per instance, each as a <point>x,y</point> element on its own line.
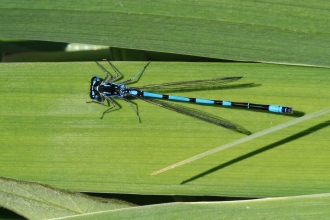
<point>133,92</point>
<point>152,95</point>
<point>204,101</point>
<point>275,108</point>
<point>226,103</point>
<point>178,98</point>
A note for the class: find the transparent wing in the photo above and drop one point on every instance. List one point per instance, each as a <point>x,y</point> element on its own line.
<point>206,83</point>
<point>201,115</point>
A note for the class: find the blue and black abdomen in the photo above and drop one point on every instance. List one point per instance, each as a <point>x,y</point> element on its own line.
<point>271,108</point>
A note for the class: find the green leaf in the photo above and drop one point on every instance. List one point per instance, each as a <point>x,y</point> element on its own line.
<point>36,201</point>
<point>287,32</point>
<point>301,207</point>
<point>49,134</point>
<point>245,139</point>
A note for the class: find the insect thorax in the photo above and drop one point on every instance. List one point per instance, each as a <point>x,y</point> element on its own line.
<point>112,89</point>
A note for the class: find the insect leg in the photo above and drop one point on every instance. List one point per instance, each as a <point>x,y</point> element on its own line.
<point>130,103</point>
<point>107,74</point>
<point>97,102</point>
<point>141,71</point>
<point>109,109</point>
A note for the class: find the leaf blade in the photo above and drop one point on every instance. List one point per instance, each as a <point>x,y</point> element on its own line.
<point>305,207</point>
<point>36,201</point>
<point>53,137</point>
<point>295,34</point>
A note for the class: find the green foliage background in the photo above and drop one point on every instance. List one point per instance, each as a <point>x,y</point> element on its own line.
<point>50,135</point>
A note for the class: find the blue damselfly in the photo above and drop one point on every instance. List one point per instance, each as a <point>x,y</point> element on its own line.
<point>107,89</point>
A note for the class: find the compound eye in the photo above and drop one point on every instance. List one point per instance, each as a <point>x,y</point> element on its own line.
<point>93,95</point>
<point>95,80</point>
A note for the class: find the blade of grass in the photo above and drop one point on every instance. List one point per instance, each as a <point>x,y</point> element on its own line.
<point>36,201</point>
<point>291,32</point>
<point>299,207</point>
<point>50,135</point>
<point>245,139</point>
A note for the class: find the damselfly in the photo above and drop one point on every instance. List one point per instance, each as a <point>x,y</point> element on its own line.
<point>107,89</point>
